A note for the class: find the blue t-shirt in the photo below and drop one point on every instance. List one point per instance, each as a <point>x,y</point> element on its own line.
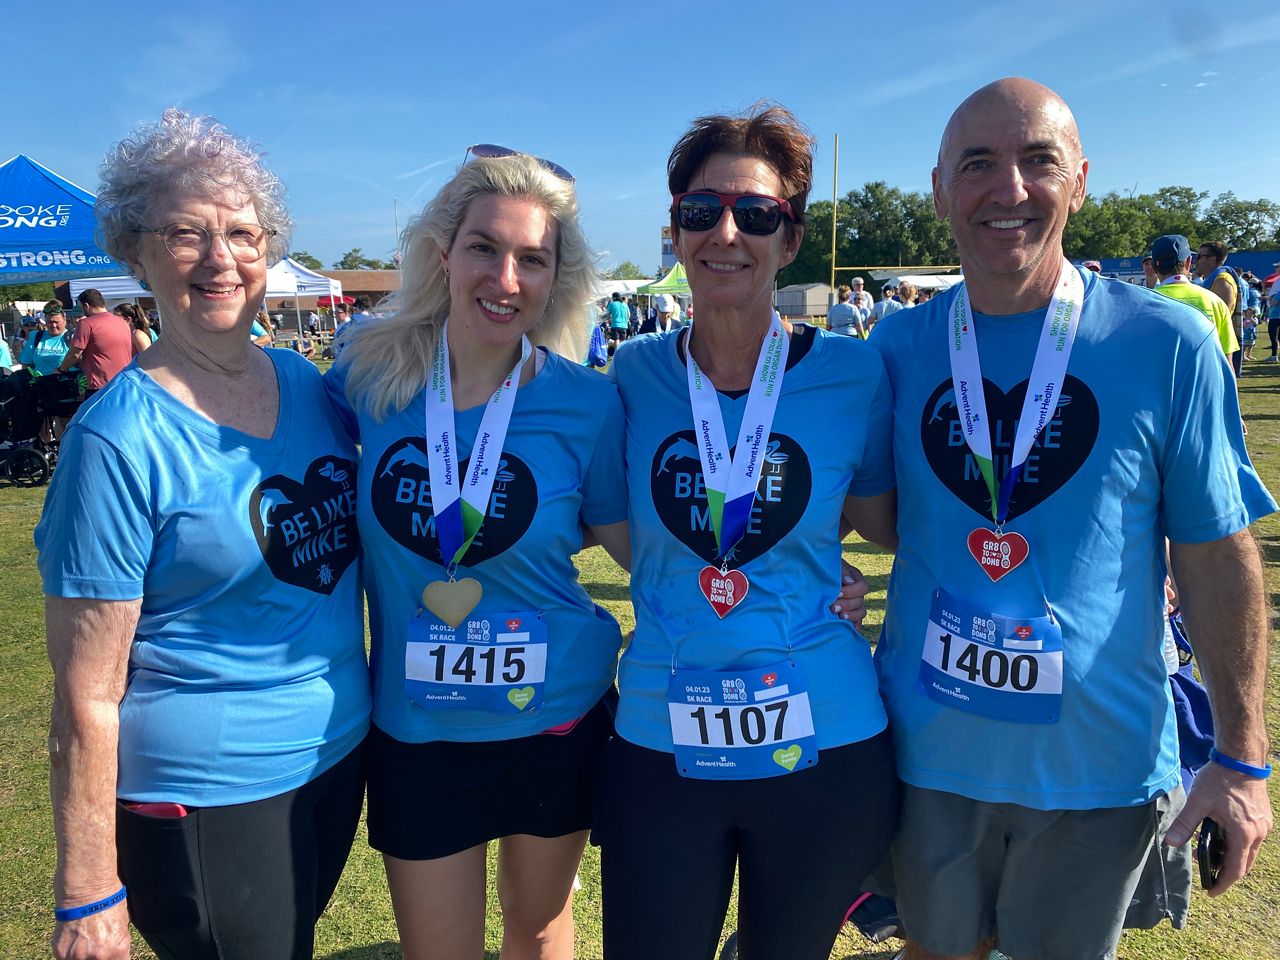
<point>561,467</point>
<point>790,553</point>
<point>45,355</point>
<point>247,675</point>
<point>6,355</point>
<point>1144,444</point>
<point>619,315</point>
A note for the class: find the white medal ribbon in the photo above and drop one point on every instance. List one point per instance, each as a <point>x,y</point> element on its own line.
<point>459,508</point>
<point>731,481</point>
<point>1057,337</point>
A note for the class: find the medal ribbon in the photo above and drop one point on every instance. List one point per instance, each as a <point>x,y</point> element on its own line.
<point>1057,336</point>
<point>459,508</point>
<point>731,481</point>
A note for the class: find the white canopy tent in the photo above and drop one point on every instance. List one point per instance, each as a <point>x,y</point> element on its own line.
<point>921,281</point>
<point>288,278</point>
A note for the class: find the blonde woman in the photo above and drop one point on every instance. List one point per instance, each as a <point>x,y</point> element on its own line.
<point>493,669</point>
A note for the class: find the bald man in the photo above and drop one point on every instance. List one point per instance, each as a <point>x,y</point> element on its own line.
<point>1052,429</point>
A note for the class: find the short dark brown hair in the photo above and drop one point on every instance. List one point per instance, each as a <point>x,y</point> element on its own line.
<point>91,297</point>
<point>1217,250</point>
<point>765,131</point>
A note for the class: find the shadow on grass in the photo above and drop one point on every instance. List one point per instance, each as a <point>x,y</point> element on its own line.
<point>885,955</point>
<point>607,591</point>
<point>387,950</point>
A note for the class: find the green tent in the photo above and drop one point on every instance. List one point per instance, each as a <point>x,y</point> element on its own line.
<point>674,282</point>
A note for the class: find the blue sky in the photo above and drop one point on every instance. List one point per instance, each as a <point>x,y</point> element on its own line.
<point>365,107</point>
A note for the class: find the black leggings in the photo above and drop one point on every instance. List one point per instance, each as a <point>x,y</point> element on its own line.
<point>802,843</point>
<point>1273,331</point>
<point>244,882</point>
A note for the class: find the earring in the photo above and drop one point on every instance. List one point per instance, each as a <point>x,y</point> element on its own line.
<point>446,276</point>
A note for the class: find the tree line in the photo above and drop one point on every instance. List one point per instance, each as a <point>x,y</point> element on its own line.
<point>883,225</point>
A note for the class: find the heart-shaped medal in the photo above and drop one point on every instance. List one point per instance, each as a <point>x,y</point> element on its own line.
<point>723,591</point>
<point>997,554</point>
<point>452,600</point>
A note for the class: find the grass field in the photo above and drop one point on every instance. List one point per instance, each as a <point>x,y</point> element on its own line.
<point>359,924</point>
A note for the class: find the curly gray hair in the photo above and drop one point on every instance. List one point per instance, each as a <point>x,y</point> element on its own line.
<point>183,155</point>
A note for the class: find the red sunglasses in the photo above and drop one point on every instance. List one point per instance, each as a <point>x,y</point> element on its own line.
<point>756,213</point>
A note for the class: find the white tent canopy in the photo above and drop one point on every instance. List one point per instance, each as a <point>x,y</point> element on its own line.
<point>288,278</point>
<point>625,287</point>
<point>921,281</point>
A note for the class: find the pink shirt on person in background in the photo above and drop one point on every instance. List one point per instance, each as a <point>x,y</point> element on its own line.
<point>106,344</point>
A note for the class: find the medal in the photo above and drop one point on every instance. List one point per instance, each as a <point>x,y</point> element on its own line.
<point>996,551</point>
<point>459,507</point>
<point>452,600</point>
<point>731,481</point>
<point>724,589</point>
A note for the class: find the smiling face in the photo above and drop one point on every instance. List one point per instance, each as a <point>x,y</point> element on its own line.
<point>215,294</point>
<point>502,267</point>
<point>1009,173</point>
<point>56,324</point>
<point>728,269</point>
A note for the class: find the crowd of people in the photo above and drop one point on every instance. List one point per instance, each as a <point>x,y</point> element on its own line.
<point>1033,445</point>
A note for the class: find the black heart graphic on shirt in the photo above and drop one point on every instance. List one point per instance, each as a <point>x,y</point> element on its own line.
<point>1061,449</point>
<point>307,531</point>
<point>680,498</point>
<point>401,492</point>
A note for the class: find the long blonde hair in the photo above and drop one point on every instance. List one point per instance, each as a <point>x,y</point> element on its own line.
<point>389,360</point>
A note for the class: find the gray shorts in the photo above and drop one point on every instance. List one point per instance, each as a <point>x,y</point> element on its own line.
<point>1052,885</point>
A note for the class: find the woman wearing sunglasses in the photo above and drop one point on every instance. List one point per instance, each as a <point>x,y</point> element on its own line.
<point>750,733</point>
<point>484,453</point>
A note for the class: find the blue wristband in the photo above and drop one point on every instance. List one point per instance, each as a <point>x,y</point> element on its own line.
<point>63,914</point>
<point>1239,766</point>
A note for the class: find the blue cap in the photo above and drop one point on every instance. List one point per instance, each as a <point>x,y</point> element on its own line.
<point>1170,250</point>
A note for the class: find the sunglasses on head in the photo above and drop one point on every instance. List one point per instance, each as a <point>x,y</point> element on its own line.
<point>493,151</point>
<point>754,213</point>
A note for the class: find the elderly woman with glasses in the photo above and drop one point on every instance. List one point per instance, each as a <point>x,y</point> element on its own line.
<point>203,610</point>
<point>750,732</point>
<point>486,448</point>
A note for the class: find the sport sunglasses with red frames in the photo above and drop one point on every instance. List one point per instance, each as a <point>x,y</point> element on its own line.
<point>756,213</point>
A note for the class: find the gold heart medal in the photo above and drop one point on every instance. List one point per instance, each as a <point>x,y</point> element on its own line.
<point>452,600</point>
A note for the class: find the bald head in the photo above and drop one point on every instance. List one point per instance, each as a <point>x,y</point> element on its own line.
<point>1015,100</point>
<point>1010,173</point>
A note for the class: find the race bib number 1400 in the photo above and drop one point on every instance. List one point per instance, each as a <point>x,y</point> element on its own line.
<point>1009,668</point>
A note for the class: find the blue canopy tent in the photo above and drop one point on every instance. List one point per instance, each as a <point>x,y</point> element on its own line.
<point>46,227</point>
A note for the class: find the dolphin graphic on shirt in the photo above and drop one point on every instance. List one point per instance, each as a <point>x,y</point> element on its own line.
<point>948,399</point>
<point>408,453</point>
<point>681,449</point>
<point>272,499</point>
